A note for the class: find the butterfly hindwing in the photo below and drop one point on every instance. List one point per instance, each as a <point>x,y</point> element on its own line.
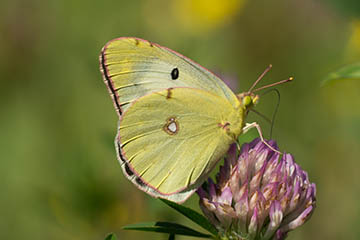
<point>168,144</point>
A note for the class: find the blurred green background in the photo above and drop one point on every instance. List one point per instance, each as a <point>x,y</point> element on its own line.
<point>59,177</point>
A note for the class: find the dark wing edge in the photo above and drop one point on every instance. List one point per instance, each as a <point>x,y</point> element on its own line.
<point>108,81</point>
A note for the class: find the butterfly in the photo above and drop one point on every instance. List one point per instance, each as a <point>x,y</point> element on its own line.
<point>176,118</point>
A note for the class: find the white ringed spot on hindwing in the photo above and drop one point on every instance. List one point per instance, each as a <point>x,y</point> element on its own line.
<point>171,126</point>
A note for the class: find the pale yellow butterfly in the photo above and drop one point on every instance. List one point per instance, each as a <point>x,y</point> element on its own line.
<point>177,119</point>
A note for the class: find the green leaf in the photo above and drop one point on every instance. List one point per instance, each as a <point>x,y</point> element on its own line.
<point>172,237</point>
<point>193,216</point>
<point>111,236</point>
<point>348,72</point>
<point>166,227</point>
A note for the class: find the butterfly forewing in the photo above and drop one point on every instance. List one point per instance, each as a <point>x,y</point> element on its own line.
<point>134,67</point>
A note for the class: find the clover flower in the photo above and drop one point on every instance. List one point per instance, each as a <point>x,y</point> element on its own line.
<point>258,195</point>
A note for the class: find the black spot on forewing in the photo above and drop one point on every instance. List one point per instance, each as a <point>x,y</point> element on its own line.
<point>175,74</point>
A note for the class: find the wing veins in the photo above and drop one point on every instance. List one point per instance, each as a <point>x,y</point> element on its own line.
<point>138,136</point>
<point>168,158</point>
<point>200,140</point>
<point>136,71</point>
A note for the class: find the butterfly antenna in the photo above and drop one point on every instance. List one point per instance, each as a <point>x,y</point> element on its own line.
<point>260,77</point>
<point>276,108</point>
<point>274,84</point>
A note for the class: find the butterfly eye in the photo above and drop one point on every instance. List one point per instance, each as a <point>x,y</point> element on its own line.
<point>175,74</point>
<point>247,101</point>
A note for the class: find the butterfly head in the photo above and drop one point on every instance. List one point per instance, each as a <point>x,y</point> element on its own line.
<point>248,100</point>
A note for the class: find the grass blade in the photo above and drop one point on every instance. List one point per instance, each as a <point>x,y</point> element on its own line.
<point>348,72</point>
<point>111,236</point>
<point>166,227</point>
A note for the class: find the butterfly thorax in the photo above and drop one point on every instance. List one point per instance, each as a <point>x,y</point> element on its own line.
<point>247,101</point>
<point>233,123</point>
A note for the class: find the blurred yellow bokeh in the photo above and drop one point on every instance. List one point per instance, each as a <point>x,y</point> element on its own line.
<point>354,40</point>
<point>201,16</point>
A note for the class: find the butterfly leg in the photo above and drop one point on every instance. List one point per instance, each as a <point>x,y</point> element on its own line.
<point>238,146</point>
<point>249,126</point>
